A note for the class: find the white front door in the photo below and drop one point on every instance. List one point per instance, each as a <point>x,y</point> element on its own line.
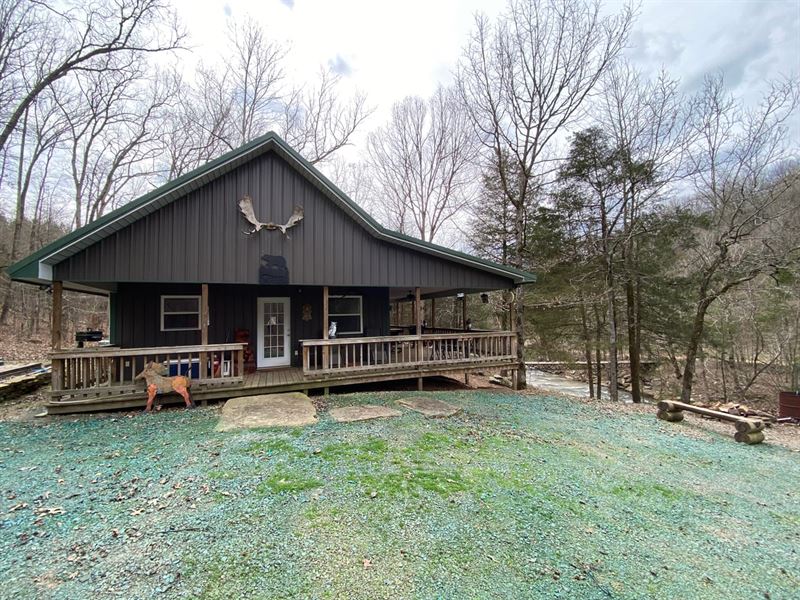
<point>274,333</point>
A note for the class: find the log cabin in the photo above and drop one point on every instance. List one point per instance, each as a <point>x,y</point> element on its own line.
<point>236,272</point>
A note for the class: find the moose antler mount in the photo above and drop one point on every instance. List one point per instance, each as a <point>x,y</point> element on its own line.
<point>246,208</point>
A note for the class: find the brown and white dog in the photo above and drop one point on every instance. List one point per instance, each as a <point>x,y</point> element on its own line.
<point>159,383</point>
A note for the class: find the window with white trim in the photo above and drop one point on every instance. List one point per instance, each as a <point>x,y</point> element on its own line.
<point>348,314</point>
<point>180,313</point>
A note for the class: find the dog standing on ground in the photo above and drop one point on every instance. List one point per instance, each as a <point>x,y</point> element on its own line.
<point>159,383</point>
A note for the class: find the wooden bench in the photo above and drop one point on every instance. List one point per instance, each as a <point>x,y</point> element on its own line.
<point>748,431</point>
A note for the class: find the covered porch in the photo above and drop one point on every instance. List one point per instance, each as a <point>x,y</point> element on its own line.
<point>104,377</point>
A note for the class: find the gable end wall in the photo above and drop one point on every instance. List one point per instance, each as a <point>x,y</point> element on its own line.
<point>199,238</point>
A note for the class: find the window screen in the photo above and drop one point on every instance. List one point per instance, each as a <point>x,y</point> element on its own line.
<point>347,312</point>
<point>180,313</point>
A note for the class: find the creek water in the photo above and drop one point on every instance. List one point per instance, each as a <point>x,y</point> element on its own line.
<point>564,385</point>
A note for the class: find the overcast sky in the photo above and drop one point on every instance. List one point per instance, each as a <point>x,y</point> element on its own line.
<point>393,49</point>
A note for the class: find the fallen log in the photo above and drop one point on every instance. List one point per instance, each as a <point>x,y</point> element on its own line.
<point>748,431</point>
<point>752,412</point>
<point>14,370</point>
<point>742,410</point>
<point>671,416</point>
<point>750,437</point>
<point>500,380</point>
<point>671,405</point>
<point>748,425</point>
<point>19,385</point>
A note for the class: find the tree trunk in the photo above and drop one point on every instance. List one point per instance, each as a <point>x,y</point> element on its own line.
<point>633,341</point>
<point>19,218</point>
<point>587,347</point>
<point>505,318</point>
<point>613,386</point>
<point>737,384</point>
<point>597,350</point>
<point>6,309</point>
<point>632,312</point>
<point>520,372</point>
<point>722,371</point>
<point>692,348</point>
<point>611,305</point>
<point>519,301</point>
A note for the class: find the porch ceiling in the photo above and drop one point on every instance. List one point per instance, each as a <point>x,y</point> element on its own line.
<point>94,288</point>
<point>395,294</point>
<point>426,293</point>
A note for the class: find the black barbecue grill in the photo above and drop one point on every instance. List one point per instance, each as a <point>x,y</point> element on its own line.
<point>87,336</point>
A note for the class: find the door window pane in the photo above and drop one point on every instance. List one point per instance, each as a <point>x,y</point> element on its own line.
<point>274,316</point>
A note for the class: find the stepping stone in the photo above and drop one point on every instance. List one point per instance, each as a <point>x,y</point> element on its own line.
<point>429,407</point>
<point>363,412</point>
<point>269,410</point>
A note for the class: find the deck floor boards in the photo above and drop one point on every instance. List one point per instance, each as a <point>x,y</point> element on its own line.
<point>265,381</point>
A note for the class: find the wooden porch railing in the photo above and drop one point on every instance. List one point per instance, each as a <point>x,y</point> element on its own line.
<point>407,351</point>
<point>79,371</point>
<point>438,330</point>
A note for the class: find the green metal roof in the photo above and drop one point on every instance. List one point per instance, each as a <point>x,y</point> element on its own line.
<point>35,267</point>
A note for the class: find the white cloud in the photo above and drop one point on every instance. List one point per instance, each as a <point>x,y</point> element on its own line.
<point>391,50</point>
<point>339,65</point>
<point>748,41</point>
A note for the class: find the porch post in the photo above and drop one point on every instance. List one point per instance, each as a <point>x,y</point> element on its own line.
<point>204,314</point>
<point>55,326</point>
<point>325,349</point>
<point>433,312</point>
<point>519,380</point>
<point>418,312</point>
<point>204,330</point>
<point>57,377</point>
<point>464,326</point>
<point>418,318</point>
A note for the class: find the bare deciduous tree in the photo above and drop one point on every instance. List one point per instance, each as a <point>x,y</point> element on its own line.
<point>648,122</point>
<point>523,80</point>
<point>44,47</point>
<point>593,175</point>
<point>248,96</point>
<point>254,78</point>
<point>200,121</point>
<point>317,122</point>
<point>421,160</point>
<point>41,128</point>
<point>228,104</point>
<point>41,44</point>
<point>745,197</point>
<point>355,179</point>
<point>114,137</point>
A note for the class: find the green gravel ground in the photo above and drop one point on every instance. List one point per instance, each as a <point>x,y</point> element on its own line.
<point>516,497</point>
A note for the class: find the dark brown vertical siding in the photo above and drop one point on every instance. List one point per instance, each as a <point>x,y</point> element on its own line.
<point>199,238</point>
<point>137,313</point>
<point>138,316</point>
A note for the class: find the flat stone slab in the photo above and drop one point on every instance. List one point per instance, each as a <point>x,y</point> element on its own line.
<point>364,412</point>
<point>430,407</point>
<point>269,410</point>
